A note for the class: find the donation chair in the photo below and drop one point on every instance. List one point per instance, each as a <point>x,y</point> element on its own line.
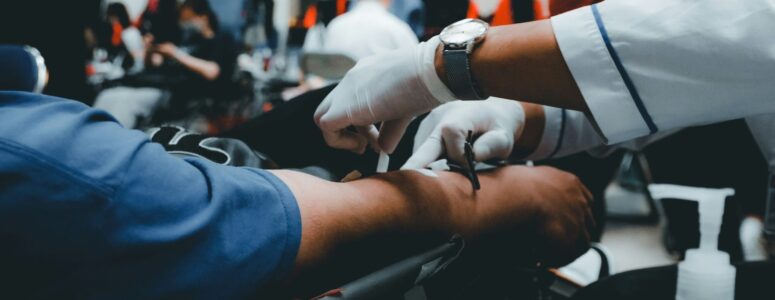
<point>22,68</point>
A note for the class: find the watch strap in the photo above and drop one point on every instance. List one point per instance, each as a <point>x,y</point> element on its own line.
<point>459,78</point>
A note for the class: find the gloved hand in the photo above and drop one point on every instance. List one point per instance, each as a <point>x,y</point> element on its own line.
<point>497,123</point>
<point>392,87</point>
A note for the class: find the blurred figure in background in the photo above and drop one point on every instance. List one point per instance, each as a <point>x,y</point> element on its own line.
<point>116,20</point>
<point>125,41</point>
<point>198,51</point>
<point>367,29</point>
<point>412,12</point>
<point>114,46</point>
<point>160,20</point>
<point>182,72</point>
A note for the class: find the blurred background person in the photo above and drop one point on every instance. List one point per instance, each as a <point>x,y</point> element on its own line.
<point>120,38</point>
<point>368,28</point>
<point>160,20</point>
<point>180,73</point>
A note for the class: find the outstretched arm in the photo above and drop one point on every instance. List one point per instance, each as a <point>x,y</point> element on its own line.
<point>104,211</point>
<point>523,61</point>
<point>207,69</point>
<point>540,206</point>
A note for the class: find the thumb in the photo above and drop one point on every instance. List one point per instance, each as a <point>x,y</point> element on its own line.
<point>493,144</point>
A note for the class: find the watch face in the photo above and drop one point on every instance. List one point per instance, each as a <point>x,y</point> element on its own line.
<point>462,32</point>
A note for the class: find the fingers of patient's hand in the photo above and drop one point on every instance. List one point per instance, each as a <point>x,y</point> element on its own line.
<point>570,222</point>
<point>346,140</point>
<point>493,144</point>
<point>575,241</point>
<point>562,244</point>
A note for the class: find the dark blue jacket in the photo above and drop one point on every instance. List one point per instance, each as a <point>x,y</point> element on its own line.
<point>89,209</point>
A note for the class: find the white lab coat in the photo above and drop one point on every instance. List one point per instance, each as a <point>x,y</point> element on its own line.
<point>568,132</point>
<point>645,66</point>
<point>369,28</point>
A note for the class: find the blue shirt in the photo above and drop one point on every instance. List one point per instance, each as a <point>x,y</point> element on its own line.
<point>89,209</point>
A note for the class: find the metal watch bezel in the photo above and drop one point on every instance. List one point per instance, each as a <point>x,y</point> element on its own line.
<point>469,43</point>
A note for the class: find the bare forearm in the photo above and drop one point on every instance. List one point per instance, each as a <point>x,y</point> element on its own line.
<point>408,202</point>
<point>532,133</point>
<point>346,228</point>
<point>334,214</point>
<point>523,62</point>
<point>207,69</point>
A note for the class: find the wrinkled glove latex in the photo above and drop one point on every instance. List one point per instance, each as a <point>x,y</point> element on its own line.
<point>393,88</point>
<point>497,123</point>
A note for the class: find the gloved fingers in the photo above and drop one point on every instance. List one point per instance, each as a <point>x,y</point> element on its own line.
<point>334,120</point>
<point>322,109</point>
<point>346,140</point>
<point>335,114</point>
<point>429,151</point>
<point>371,134</point>
<point>427,126</point>
<point>454,139</point>
<point>391,132</point>
<point>493,144</point>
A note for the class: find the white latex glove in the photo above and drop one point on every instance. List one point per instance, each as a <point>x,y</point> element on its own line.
<point>392,87</point>
<point>497,123</point>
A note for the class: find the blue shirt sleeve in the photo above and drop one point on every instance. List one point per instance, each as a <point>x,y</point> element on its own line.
<point>89,209</point>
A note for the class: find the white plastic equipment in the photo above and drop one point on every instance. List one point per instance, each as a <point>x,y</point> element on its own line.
<point>383,162</point>
<point>706,272</point>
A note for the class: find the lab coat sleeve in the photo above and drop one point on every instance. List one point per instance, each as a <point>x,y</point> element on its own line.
<point>565,132</point>
<point>569,132</point>
<point>645,66</point>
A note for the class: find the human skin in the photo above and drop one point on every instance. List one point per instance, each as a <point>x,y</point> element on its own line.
<point>522,61</point>
<point>545,206</point>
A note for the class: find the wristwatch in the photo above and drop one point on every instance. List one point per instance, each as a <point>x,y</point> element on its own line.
<point>459,40</point>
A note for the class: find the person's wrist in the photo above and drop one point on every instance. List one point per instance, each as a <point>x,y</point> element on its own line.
<point>519,111</point>
<point>431,61</point>
<point>527,140</point>
<point>177,54</point>
<point>438,63</point>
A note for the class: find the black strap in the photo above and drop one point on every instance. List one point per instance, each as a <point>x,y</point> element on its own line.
<point>461,83</point>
